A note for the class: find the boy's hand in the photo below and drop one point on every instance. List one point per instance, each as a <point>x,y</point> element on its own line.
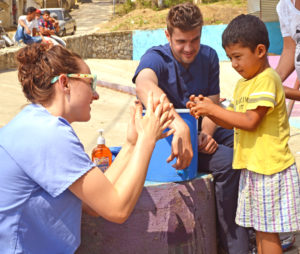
<point>202,107</point>
<point>198,105</point>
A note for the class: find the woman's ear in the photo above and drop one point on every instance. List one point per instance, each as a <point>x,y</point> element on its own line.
<point>63,82</point>
<point>261,50</point>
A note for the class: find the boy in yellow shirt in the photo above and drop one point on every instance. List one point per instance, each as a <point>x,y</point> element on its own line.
<point>269,190</point>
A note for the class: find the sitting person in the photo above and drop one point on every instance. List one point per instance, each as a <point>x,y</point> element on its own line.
<point>27,28</point>
<point>38,14</point>
<point>55,23</point>
<point>45,25</point>
<point>47,29</point>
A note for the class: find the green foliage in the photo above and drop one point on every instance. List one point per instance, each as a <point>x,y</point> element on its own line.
<point>128,5</point>
<point>170,3</point>
<point>124,8</point>
<point>209,1</point>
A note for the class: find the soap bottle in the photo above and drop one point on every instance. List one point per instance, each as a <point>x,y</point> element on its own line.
<point>101,154</point>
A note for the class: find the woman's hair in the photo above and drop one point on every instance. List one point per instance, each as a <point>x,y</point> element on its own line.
<point>247,30</point>
<point>38,64</point>
<point>185,16</point>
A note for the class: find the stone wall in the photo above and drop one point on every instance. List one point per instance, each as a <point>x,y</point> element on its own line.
<point>116,45</point>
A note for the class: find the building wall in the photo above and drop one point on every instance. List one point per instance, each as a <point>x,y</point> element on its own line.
<point>211,36</point>
<point>5,12</point>
<point>264,9</point>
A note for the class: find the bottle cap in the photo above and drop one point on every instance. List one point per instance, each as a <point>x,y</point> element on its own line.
<point>101,140</point>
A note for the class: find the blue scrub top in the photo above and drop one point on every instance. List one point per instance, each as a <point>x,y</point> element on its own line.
<point>201,77</point>
<point>40,157</point>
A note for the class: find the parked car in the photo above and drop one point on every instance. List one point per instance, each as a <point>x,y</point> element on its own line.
<point>67,24</point>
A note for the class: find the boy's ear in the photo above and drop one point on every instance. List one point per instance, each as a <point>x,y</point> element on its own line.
<point>261,50</point>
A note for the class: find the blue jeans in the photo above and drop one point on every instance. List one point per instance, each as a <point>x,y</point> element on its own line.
<point>27,39</point>
<point>233,238</point>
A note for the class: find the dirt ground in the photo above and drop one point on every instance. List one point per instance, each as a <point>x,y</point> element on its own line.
<point>216,13</point>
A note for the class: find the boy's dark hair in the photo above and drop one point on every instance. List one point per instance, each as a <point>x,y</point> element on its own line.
<point>247,30</point>
<point>46,12</point>
<point>185,16</point>
<point>30,10</point>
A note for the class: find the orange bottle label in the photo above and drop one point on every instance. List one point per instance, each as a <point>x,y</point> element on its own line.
<point>102,163</point>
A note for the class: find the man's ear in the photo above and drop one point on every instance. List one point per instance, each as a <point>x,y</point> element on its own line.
<point>261,50</point>
<point>168,35</point>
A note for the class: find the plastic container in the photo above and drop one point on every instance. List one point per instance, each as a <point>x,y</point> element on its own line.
<point>101,155</point>
<point>114,150</point>
<point>161,171</point>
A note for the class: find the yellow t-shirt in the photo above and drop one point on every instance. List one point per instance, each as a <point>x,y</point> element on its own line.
<point>264,150</point>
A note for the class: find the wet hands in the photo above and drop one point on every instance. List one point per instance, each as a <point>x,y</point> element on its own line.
<point>181,146</point>
<point>155,121</point>
<point>199,105</point>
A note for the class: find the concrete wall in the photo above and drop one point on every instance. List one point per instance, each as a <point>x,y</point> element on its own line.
<point>117,45</point>
<point>173,218</point>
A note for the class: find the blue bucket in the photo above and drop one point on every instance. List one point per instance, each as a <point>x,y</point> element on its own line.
<point>161,171</point>
<point>114,150</point>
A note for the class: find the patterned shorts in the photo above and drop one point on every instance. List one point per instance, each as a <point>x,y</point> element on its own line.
<point>269,203</point>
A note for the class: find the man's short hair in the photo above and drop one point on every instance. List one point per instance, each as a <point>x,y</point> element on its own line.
<point>30,10</point>
<point>46,12</point>
<point>247,30</point>
<point>185,16</point>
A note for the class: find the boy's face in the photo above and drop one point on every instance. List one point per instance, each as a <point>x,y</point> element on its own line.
<point>185,45</point>
<point>247,63</point>
<point>46,17</point>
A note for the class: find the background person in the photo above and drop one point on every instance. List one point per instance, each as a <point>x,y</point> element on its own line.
<point>55,23</point>
<point>38,14</point>
<point>47,29</point>
<point>181,68</point>
<point>45,180</point>
<point>27,27</point>
<point>289,17</point>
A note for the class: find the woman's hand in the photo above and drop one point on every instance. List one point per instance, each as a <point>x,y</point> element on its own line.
<point>156,119</point>
<point>132,134</point>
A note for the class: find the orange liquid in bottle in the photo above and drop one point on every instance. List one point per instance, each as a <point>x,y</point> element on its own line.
<point>102,157</point>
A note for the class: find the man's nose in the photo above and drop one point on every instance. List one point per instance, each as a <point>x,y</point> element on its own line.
<point>188,47</point>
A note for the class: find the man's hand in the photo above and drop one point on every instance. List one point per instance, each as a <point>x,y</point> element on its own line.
<point>27,30</point>
<point>206,143</point>
<point>181,147</point>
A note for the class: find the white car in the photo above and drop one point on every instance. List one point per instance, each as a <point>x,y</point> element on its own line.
<point>67,25</point>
